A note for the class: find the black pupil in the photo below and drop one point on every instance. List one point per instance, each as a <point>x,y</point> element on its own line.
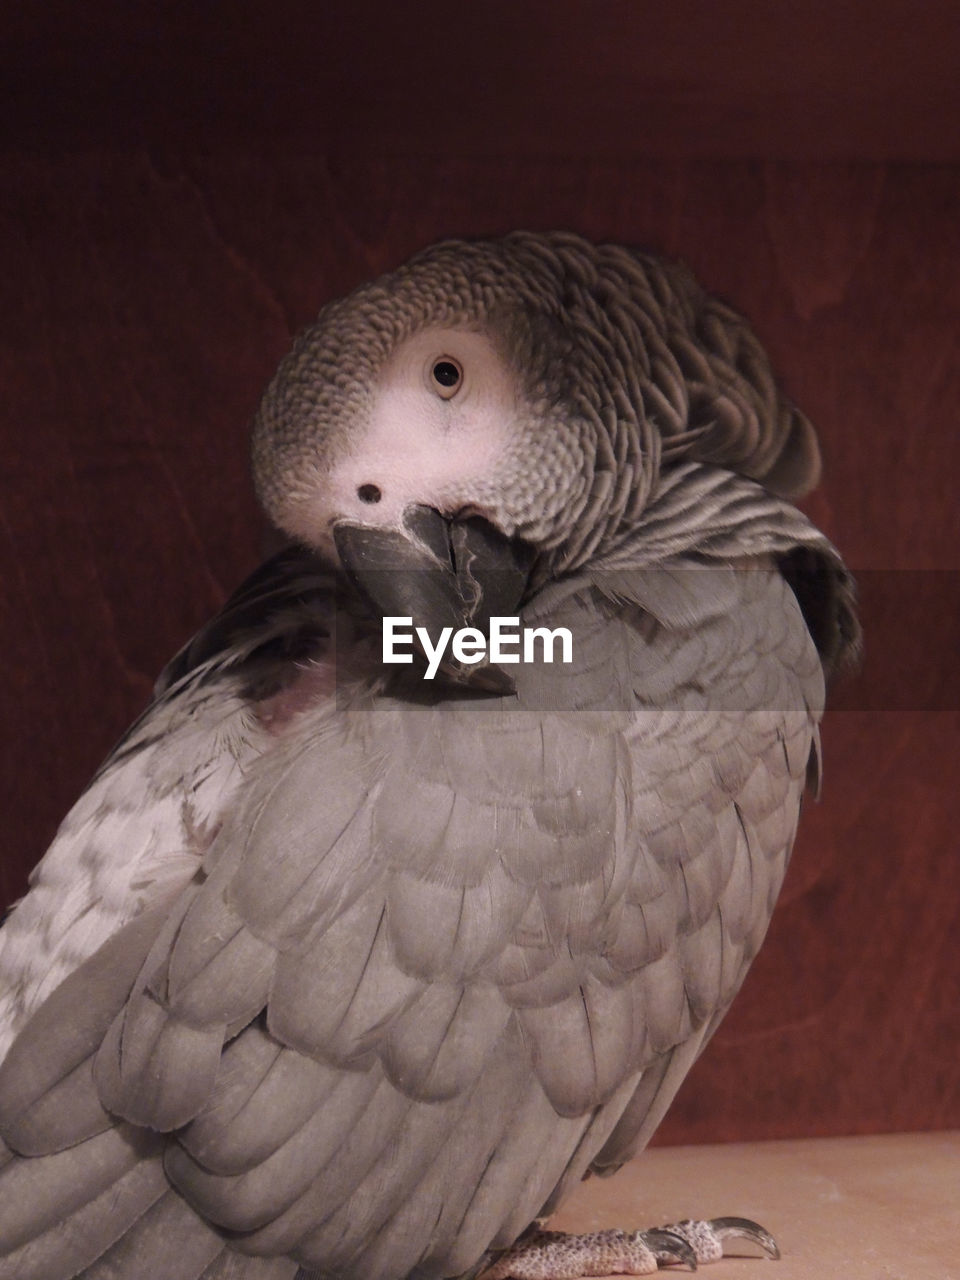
<point>369,493</point>
<point>446,373</point>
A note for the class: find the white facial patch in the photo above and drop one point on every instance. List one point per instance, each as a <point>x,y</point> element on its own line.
<point>424,447</point>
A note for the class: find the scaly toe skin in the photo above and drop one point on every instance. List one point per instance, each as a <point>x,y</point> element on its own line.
<point>706,1238</point>
<point>554,1255</point>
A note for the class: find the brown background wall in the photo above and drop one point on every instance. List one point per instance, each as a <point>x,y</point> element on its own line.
<point>179,193</point>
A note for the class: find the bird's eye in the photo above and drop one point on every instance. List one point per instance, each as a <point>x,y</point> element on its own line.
<point>369,493</point>
<point>446,376</point>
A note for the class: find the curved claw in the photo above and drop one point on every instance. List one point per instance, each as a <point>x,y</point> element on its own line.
<point>745,1229</point>
<point>669,1246</point>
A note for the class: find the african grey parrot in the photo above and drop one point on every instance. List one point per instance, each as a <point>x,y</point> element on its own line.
<point>336,969</point>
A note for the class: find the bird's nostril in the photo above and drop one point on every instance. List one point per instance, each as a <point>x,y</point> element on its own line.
<point>369,493</point>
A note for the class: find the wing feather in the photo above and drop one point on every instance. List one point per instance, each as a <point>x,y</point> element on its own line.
<point>267,1093</point>
<point>168,1242</point>
<point>440,1045</point>
<point>59,1212</point>
<point>469,926</point>
<point>47,1101</point>
<point>442,956</point>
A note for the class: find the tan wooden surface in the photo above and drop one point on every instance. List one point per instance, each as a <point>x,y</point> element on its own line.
<point>875,1208</point>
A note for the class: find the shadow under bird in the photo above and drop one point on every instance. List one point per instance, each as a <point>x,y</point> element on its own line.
<point>335,970</point>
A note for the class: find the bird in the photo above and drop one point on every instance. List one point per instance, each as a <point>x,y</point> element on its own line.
<point>352,960</point>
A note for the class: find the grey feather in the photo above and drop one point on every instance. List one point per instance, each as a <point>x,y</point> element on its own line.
<point>154,1069</point>
<point>59,1212</point>
<point>428,954</point>
<point>266,1094</point>
<point>277,1170</point>
<point>46,1077</point>
<point>470,924</point>
<point>216,964</point>
<point>169,1242</point>
<point>441,1043</point>
<point>339,996</point>
<point>229,1265</point>
<point>73,1244</point>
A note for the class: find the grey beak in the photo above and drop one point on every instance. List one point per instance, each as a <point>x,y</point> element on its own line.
<point>440,572</point>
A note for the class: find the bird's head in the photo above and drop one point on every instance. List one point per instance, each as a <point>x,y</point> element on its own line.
<point>499,409</point>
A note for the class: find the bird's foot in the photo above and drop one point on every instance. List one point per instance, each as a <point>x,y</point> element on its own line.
<point>554,1255</point>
